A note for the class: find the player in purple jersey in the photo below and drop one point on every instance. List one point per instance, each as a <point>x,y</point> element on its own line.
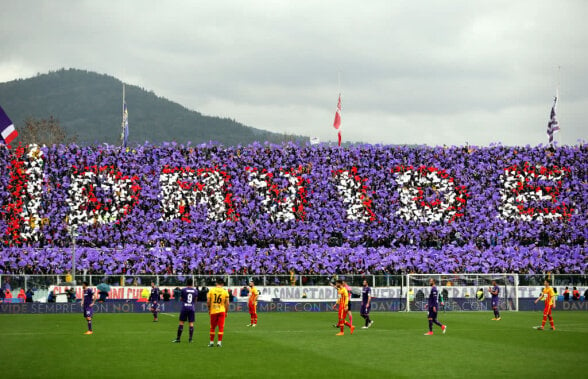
<point>154,298</point>
<point>495,291</point>
<point>433,307</point>
<point>88,300</point>
<point>188,299</point>
<point>366,300</point>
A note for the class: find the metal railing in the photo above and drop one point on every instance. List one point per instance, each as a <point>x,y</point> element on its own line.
<point>44,281</point>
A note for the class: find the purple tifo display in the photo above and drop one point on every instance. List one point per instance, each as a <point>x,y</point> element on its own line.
<point>269,209</point>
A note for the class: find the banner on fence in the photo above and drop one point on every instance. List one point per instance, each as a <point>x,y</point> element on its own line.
<point>288,293</point>
<point>378,305</point>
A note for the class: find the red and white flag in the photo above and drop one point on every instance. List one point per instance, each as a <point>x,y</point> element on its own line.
<point>7,130</point>
<point>337,122</point>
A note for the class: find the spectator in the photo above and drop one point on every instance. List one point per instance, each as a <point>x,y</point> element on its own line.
<point>6,284</point>
<point>51,297</point>
<point>575,294</point>
<point>244,292</point>
<point>2,296</point>
<point>71,295</point>
<point>145,293</point>
<point>178,292</point>
<point>166,295</point>
<point>30,294</point>
<point>203,293</point>
<point>21,295</point>
<point>102,296</point>
<point>68,278</point>
<point>566,294</point>
<point>444,295</point>
<point>586,295</point>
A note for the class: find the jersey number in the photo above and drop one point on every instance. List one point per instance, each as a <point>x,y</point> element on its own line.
<point>189,298</point>
<point>218,298</point>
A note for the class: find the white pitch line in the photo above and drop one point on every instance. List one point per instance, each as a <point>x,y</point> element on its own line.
<point>169,314</point>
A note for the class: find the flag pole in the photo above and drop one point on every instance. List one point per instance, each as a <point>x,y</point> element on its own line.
<point>557,90</point>
<point>122,134</point>
<point>339,87</point>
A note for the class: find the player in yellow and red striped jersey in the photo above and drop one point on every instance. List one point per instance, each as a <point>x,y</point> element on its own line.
<point>217,301</point>
<point>343,303</point>
<point>549,295</point>
<point>252,303</point>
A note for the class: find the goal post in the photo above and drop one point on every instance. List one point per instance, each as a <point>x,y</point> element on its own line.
<point>462,292</point>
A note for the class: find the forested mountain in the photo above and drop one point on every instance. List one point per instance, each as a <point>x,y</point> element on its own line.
<point>89,105</point>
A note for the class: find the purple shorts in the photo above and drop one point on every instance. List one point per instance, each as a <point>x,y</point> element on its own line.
<point>154,305</point>
<point>88,311</point>
<point>187,315</point>
<point>365,310</point>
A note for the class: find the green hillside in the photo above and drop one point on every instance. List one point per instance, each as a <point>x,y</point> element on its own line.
<point>89,105</point>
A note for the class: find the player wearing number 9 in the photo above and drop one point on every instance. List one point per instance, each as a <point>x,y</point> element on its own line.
<point>218,307</point>
<point>188,298</point>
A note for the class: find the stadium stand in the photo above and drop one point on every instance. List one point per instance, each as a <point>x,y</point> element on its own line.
<point>261,209</point>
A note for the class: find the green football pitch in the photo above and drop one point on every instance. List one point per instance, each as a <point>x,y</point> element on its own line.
<point>295,345</point>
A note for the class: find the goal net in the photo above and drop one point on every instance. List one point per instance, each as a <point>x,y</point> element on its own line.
<point>462,292</point>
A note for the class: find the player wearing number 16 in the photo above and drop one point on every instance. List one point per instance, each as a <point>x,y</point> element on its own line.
<point>188,299</point>
<point>218,307</point>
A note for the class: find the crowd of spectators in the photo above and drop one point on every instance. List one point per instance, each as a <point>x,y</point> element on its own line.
<point>273,209</point>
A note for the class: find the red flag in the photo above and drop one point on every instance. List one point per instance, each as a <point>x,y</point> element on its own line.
<point>337,122</point>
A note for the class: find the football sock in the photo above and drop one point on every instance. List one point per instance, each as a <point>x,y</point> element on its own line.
<point>367,321</point>
<point>350,318</point>
<point>430,325</point>
<point>348,324</point>
<point>191,332</point>
<point>155,314</point>
<point>180,330</point>
<point>90,325</point>
<point>220,335</point>
<point>341,327</point>
<point>551,321</point>
<point>211,335</point>
<point>437,322</point>
<point>544,319</point>
<point>497,313</point>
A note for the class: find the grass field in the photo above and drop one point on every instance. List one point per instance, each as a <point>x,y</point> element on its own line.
<point>301,345</point>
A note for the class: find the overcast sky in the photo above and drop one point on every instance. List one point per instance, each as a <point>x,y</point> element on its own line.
<point>415,72</point>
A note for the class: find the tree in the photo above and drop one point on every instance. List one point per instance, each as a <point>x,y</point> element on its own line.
<point>44,132</point>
